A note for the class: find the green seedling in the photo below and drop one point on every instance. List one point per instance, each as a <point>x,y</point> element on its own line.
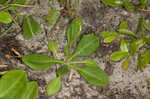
<point>9,5</point>
<point>88,68</point>
<point>12,4</point>
<point>30,26</point>
<point>14,85</point>
<point>131,44</point>
<point>126,4</point>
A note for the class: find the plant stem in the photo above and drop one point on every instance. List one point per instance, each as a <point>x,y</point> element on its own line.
<point>6,31</point>
<point>70,75</point>
<point>20,5</point>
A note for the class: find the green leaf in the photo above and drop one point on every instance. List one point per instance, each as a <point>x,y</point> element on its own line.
<point>63,70</point>
<point>143,59</point>
<point>139,43</point>
<point>147,26</point>
<point>109,39</point>
<point>87,45</point>
<point>148,80</point>
<point>53,47</point>
<point>52,17</point>
<point>73,32</point>
<point>123,45</point>
<point>143,4</point>
<point>66,50</point>
<point>128,5</point>
<point>90,63</point>
<point>30,27</point>
<point>113,2</point>
<point>146,39</point>
<point>12,5</point>
<point>106,34</point>
<point>139,61</point>
<point>125,63</point>
<point>13,84</point>
<point>127,32</point>
<point>61,2</point>
<point>31,91</point>
<point>141,24</point>
<point>136,45</point>
<point>133,47</point>
<point>53,86</point>
<point>51,0</point>
<point>123,25</point>
<point>93,76</point>
<point>5,17</point>
<point>22,2</point>
<point>2,1</point>
<point>39,61</point>
<point>118,55</point>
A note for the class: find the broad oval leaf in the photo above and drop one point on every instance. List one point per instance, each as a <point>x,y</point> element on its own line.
<point>109,39</point>
<point>113,2</point>
<point>128,5</point>
<point>13,84</point>
<point>53,86</point>
<point>125,63</point>
<point>123,45</point>
<point>106,34</point>
<point>31,91</point>
<point>52,17</point>
<point>90,63</point>
<point>123,25</point>
<point>53,47</point>
<point>93,76</point>
<point>87,45</point>
<point>116,56</point>
<point>30,27</point>
<point>127,32</point>
<point>5,17</point>
<point>38,61</point>
<point>73,32</point>
<point>63,70</point>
